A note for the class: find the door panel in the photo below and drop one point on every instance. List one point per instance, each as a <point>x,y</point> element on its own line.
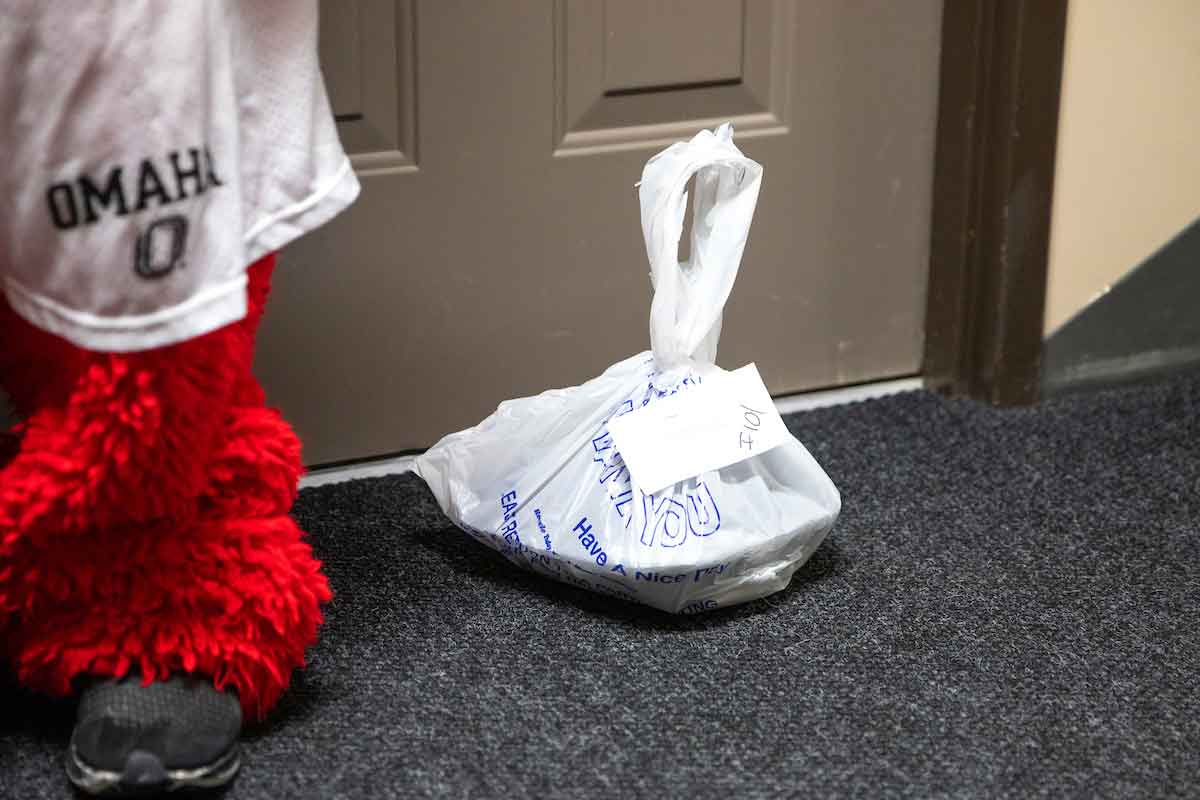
<point>642,49</point>
<point>642,75</point>
<point>496,249</point>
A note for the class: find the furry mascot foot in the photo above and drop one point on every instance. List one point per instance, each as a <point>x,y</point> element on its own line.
<point>136,739</point>
<point>148,560</point>
<point>145,536</point>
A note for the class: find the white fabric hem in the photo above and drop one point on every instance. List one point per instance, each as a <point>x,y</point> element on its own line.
<point>212,308</point>
<point>278,229</point>
<point>203,313</point>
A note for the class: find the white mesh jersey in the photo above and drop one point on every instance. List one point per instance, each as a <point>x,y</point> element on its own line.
<point>150,152</point>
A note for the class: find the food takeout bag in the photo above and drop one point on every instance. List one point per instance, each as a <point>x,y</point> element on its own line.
<point>541,480</point>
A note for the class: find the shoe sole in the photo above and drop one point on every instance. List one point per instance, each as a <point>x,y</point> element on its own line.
<point>110,783</point>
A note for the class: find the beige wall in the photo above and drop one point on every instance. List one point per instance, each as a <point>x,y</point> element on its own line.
<point>1128,173</point>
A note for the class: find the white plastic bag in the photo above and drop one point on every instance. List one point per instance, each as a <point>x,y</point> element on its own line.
<point>541,481</point>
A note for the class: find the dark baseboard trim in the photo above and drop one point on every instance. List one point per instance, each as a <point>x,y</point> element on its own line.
<point>1146,325</point>
<point>1121,370</point>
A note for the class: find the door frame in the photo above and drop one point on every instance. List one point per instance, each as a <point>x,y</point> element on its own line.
<point>997,129</point>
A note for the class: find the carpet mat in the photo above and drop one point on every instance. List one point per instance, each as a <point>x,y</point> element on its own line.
<point>1007,607</point>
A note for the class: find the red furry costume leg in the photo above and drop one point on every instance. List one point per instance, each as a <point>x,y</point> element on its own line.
<point>144,517</point>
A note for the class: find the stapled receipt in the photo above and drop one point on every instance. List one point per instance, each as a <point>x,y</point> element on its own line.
<point>727,418</point>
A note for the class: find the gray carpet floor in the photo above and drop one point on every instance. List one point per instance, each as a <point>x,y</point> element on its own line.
<point>1007,607</point>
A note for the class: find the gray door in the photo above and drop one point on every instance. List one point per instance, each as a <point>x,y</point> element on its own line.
<point>496,250</point>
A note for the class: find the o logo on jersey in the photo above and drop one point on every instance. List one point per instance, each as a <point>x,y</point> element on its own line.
<point>160,247</point>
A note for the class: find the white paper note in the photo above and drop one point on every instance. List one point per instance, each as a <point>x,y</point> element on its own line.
<point>726,419</point>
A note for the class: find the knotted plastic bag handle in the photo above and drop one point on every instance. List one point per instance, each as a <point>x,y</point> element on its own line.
<point>689,297</point>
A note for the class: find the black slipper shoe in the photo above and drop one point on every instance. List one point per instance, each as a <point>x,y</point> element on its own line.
<point>132,740</point>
